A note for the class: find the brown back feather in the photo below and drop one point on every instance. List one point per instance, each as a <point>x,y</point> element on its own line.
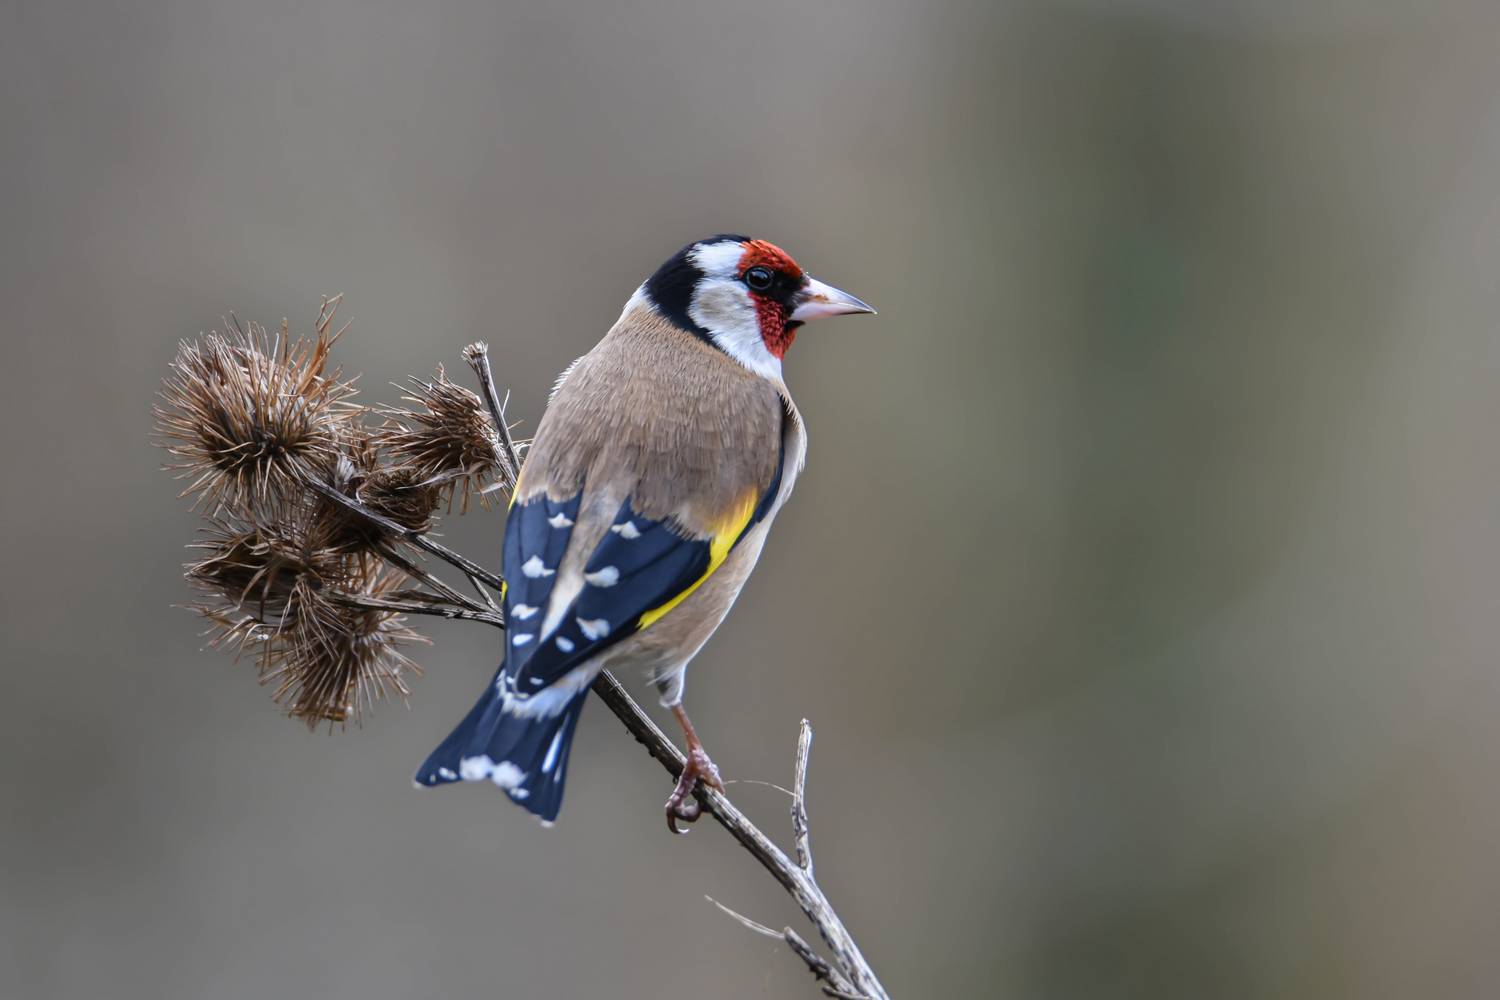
<point>654,414</point>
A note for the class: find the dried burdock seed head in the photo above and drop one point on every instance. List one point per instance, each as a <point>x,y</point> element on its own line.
<point>334,660</point>
<point>327,657</point>
<point>254,568</point>
<point>400,494</point>
<point>250,415</point>
<point>444,437</point>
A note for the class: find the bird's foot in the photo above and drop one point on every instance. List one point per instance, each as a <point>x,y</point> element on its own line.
<point>681,805</point>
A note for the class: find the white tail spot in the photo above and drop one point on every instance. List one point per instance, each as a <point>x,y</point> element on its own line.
<point>560,520</point>
<point>521,612</point>
<point>507,775</point>
<point>552,752</point>
<point>535,569</point>
<point>627,531</point>
<point>474,768</point>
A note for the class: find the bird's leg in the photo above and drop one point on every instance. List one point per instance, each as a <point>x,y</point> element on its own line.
<point>681,805</point>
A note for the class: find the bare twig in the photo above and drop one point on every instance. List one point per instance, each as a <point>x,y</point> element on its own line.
<point>477,355</point>
<point>800,832</point>
<point>435,610</point>
<point>416,572</point>
<point>405,534</point>
<point>798,883</point>
<point>836,984</point>
<point>484,592</point>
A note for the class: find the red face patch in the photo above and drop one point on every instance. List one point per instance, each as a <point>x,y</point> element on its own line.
<point>763,254</point>
<point>770,307</point>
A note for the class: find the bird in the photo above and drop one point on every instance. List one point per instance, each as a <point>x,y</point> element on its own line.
<point>663,457</point>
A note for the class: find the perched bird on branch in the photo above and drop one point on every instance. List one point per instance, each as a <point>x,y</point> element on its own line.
<point>662,459</point>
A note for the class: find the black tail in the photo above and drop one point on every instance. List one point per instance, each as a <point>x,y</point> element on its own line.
<point>526,757</point>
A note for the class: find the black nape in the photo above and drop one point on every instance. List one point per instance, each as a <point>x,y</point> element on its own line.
<point>671,287</point>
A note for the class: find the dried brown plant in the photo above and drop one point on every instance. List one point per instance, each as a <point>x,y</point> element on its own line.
<point>444,437</point>
<point>292,579</point>
<point>337,658</point>
<point>250,415</point>
<point>397,492</point>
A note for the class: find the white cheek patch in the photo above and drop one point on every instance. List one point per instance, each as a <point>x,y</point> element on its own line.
<point>724,308</point>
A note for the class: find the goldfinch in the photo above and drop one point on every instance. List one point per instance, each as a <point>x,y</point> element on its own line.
<point>662,459</point>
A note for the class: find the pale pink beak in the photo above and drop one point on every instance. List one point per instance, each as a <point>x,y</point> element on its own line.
<point>817,300</point>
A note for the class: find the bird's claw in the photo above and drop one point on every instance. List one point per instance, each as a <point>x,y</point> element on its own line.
<point>681,805</point>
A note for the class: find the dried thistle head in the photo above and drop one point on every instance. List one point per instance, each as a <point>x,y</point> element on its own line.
<point>401,494</point>
<point>286,604</point>
<point>398,493</point>
<point>334,660</point>
<point>249,415</point>
<point>253,568</point>
<point>444,437</point>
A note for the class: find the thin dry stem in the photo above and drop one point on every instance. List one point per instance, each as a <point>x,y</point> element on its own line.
<point>477,355</point>
<point>413,607</point>
<point>801,836</point>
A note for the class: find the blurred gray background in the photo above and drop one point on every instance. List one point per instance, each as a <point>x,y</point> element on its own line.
<point>1143,587</point>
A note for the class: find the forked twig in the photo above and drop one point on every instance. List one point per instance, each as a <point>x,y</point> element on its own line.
<point>797,881</point>
<point>836,984</point>
<point>420,539</point>
<point>416,572</point>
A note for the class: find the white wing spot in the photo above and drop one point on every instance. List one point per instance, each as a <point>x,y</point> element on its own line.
<point>560,520</point>
<point>447,773</point>
<point>521,638</point>
<point>627,531</point>
<point>474,768</point>
<point>521,612</point>
<point>536,682</point>
<point>606,577</point>
<point>534,568</point>
<point>594,628</point>
<point>565,644</point>
<point>507,775</point>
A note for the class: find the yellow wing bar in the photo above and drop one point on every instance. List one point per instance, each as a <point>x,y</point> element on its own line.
<point>725,534</point>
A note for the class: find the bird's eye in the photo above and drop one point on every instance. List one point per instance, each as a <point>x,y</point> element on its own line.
<point>759,278</point>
